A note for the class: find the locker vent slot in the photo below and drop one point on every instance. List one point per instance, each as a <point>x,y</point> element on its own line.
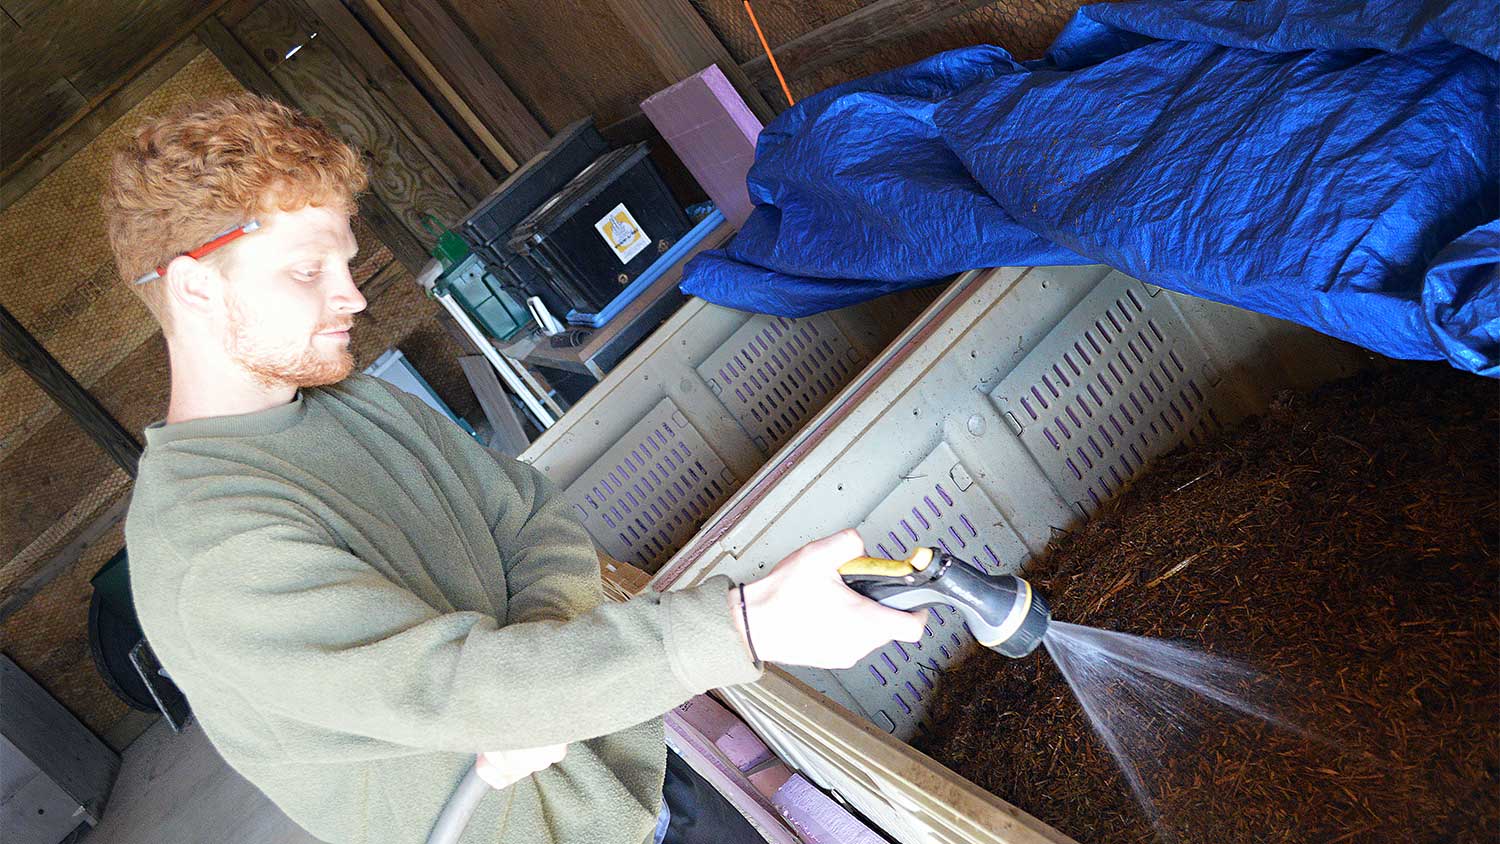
<point>647,495</point>
<point>775,373</point>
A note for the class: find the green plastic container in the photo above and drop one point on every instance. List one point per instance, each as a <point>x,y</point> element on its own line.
<point>492,307</point>
<point>449,248</point>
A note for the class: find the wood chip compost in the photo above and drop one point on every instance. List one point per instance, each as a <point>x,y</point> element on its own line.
<point>1347,544</point>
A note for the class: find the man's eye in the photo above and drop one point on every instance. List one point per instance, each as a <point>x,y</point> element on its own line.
<point>306,275</point>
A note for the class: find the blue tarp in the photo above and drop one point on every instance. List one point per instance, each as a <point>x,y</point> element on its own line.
<point>1334,163</point>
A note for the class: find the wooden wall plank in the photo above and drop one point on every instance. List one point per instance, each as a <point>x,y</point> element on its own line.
<point>35,96</point>
<point>28,354</point>
<point>509,437</point>
<point>434,88</point>
<point>386,223</point>
<point>399,98</point>
<point>680,43</point>
<point>319,83</point>
<point>854,34</point>
<point>780,20</point>
<point>450,49</point>
<point>563,60</point>
<point>869,37</point>
<point>237,58</point>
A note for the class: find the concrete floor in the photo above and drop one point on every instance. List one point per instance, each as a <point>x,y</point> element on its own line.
<point>175,789</point>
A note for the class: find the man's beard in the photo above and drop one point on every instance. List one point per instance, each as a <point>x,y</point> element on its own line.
<point>305,367</point>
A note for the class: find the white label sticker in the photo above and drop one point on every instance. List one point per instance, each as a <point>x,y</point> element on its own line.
<point>623,234</point>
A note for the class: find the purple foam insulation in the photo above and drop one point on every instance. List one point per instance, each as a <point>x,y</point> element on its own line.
<point>711,129</point>
<point>730,735</point>
<point>695,749</point>
<point>816,818</point>
<point>770,779</point>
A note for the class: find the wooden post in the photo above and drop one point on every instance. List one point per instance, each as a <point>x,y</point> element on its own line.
<point>72,769</point>
<point>461,74</point>
<point>37,362</point>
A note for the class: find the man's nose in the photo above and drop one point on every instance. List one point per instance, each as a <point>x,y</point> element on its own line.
<point>345,297</point>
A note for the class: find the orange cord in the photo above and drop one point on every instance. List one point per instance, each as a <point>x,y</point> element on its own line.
<point>774,66</point>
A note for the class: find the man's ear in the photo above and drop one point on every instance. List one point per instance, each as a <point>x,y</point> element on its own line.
<point>193,286</point>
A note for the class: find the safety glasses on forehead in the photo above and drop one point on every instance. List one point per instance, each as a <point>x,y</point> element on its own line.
<point>220,240</point>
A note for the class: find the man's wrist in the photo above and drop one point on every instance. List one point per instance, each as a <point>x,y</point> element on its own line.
<point>745,601</point>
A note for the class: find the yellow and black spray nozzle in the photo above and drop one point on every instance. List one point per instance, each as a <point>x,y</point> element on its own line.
<point>1003,611</point>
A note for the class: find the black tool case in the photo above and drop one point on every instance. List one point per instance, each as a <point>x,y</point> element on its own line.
<point>605,228</point>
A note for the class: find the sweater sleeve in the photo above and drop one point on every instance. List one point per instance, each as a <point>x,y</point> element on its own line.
<point>551,567</point>
<point>280,607</point>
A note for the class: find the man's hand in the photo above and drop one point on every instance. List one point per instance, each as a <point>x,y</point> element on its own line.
<point>503,768</point>
<point>801,613</point>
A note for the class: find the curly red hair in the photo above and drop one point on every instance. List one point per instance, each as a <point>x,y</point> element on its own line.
<point>188,175</point>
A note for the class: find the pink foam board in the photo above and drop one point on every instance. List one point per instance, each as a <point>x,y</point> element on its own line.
<point>728,733</point>
<point>708,125</point>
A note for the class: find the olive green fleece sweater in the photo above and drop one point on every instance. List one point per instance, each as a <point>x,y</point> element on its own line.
<point>356,598</point>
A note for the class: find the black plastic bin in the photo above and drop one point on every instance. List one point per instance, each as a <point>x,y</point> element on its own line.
<point>607,226</point>
<point>521,273</point>
<point>488,226</point>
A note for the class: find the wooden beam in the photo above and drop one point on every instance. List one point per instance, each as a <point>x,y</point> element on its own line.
<point>681,44</point>
<point>401,100</point>
<point>854,34</point>
<point>235,11</point>
<point>40,164</point>
<point>456,68</point>
<point>236,57</point>
<point>204,11</point>
<point>386,224</point>
<point>91,534</point>
<point>509,436</point>
<point>57,743</point>
<point>37,362</point>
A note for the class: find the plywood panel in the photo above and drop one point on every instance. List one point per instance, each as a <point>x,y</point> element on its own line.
<point>565,59</point>
<point>399,97</point>
<point>323,86</point>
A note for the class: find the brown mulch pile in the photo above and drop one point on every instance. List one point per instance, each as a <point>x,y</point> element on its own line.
<point>1346,543</point>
